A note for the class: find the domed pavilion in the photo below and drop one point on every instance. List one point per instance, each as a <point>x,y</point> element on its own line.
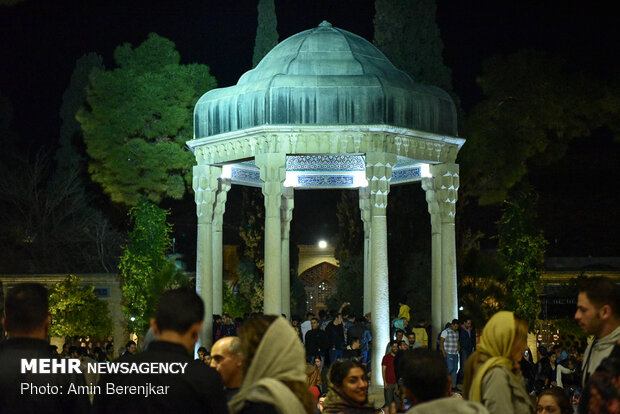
<point>325,109</point>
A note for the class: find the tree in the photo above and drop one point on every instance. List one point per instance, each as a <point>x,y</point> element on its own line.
<point>534,106</point>
<point>76,310</point>
<point>42,215</point>
<point>407,33</point>
<point>68,156</point>
<point>522,246</point>
<point>349,252</point>
<point>266,31</point>
<point>137,119</point>
<point>145,270</point>
<point>482,276</point>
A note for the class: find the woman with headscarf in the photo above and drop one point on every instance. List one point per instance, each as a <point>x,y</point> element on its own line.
<point>348,389</point>
<point>274,369</point>
<point>492,373</point>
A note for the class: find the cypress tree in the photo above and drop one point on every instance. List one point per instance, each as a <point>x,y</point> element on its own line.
<point>266,31</point>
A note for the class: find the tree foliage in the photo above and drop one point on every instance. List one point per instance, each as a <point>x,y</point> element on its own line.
<point>409,250</point>
<point>137,119</point>
<point>482,276</point>
<point>266,31</point>
<point>349,252</point>
<point>68,155</point>
<point>76,310</point>
<point>522,246</point>
<point>534,106</point>
<point>407,33</point>
<point>43,212</point>
<point>145,270</point>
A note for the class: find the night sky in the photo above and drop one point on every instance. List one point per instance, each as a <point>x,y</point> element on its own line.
<point>41,41</point>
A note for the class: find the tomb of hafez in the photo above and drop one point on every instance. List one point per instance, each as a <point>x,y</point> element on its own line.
<point>325,109</point>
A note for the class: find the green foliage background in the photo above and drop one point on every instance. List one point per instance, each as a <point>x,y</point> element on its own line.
<point>76,310</point>
<point>145,270</point>
<point>522,246</point>
<point>137,119</point>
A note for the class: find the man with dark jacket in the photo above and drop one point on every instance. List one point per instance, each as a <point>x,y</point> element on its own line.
<point>27,322</point>
<point>335,335</point>
<point>196,389</point>
<point>316,342</point>
<point>467,340</point>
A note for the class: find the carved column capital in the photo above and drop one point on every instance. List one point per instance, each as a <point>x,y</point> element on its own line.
<point>378,173</point>
<point>205,185</point>
<point>272,174</point>
<point>364,203</point>
<point>446,186</point>
<point>220,202</point>
<point>286,210</point>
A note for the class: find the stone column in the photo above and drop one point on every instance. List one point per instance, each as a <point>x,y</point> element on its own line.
<point>364,202</point>
<point>441,195</point>
<point>272,174</point>
<point>218,221</point>
<point>378,174</point>
<point>447,183</point>
<point>428,184</point>
<point>286,215</point>
<point>205,188</point>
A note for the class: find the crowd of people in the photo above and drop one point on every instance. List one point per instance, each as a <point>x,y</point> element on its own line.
<point>264,364</point>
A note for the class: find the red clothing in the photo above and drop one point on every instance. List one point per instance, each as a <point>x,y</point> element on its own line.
<point>388,363</point>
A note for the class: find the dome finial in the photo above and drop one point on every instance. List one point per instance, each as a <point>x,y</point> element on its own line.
<point>325,23</point>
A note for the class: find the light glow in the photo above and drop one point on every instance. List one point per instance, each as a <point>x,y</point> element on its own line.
<point>322,244</point>
<point>425,170</point>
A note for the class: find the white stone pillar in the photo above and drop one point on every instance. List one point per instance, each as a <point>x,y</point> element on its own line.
<point>378,174</point>
<point>364,203</point>
<point>218,221</point>
<point>272,174</point>
<point>428,184</point>
<point>447,184</point>
<point>286,215</point>
<point>205,188</point>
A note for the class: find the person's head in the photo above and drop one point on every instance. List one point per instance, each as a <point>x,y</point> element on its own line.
<point>26,311</point>
<point>74,352</point>
<point>317,362</point>
<point>130,347</point>
<point>178,317</point>
<point>424,375</point>
<point>467,324</point>
<point>394,346</point>
<point>348,377</point>
<point>202,351</point>
<point>354,343</point>
<point>82,353</point>
<point>314,323</point>
<point>553,401</point>
<point>226,359</point>
<point>519,343</point>
<point>279,338</point>
<point>553,357</point>
<point>109,348</point>
<point>411,338</point>
<point>399,334</point>
<point>598,306</point>
<point>319,404</point>
<point>402,346</point>
<point>454,325</point>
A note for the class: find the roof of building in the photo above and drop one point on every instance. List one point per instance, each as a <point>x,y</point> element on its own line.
<point>325,76</point>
